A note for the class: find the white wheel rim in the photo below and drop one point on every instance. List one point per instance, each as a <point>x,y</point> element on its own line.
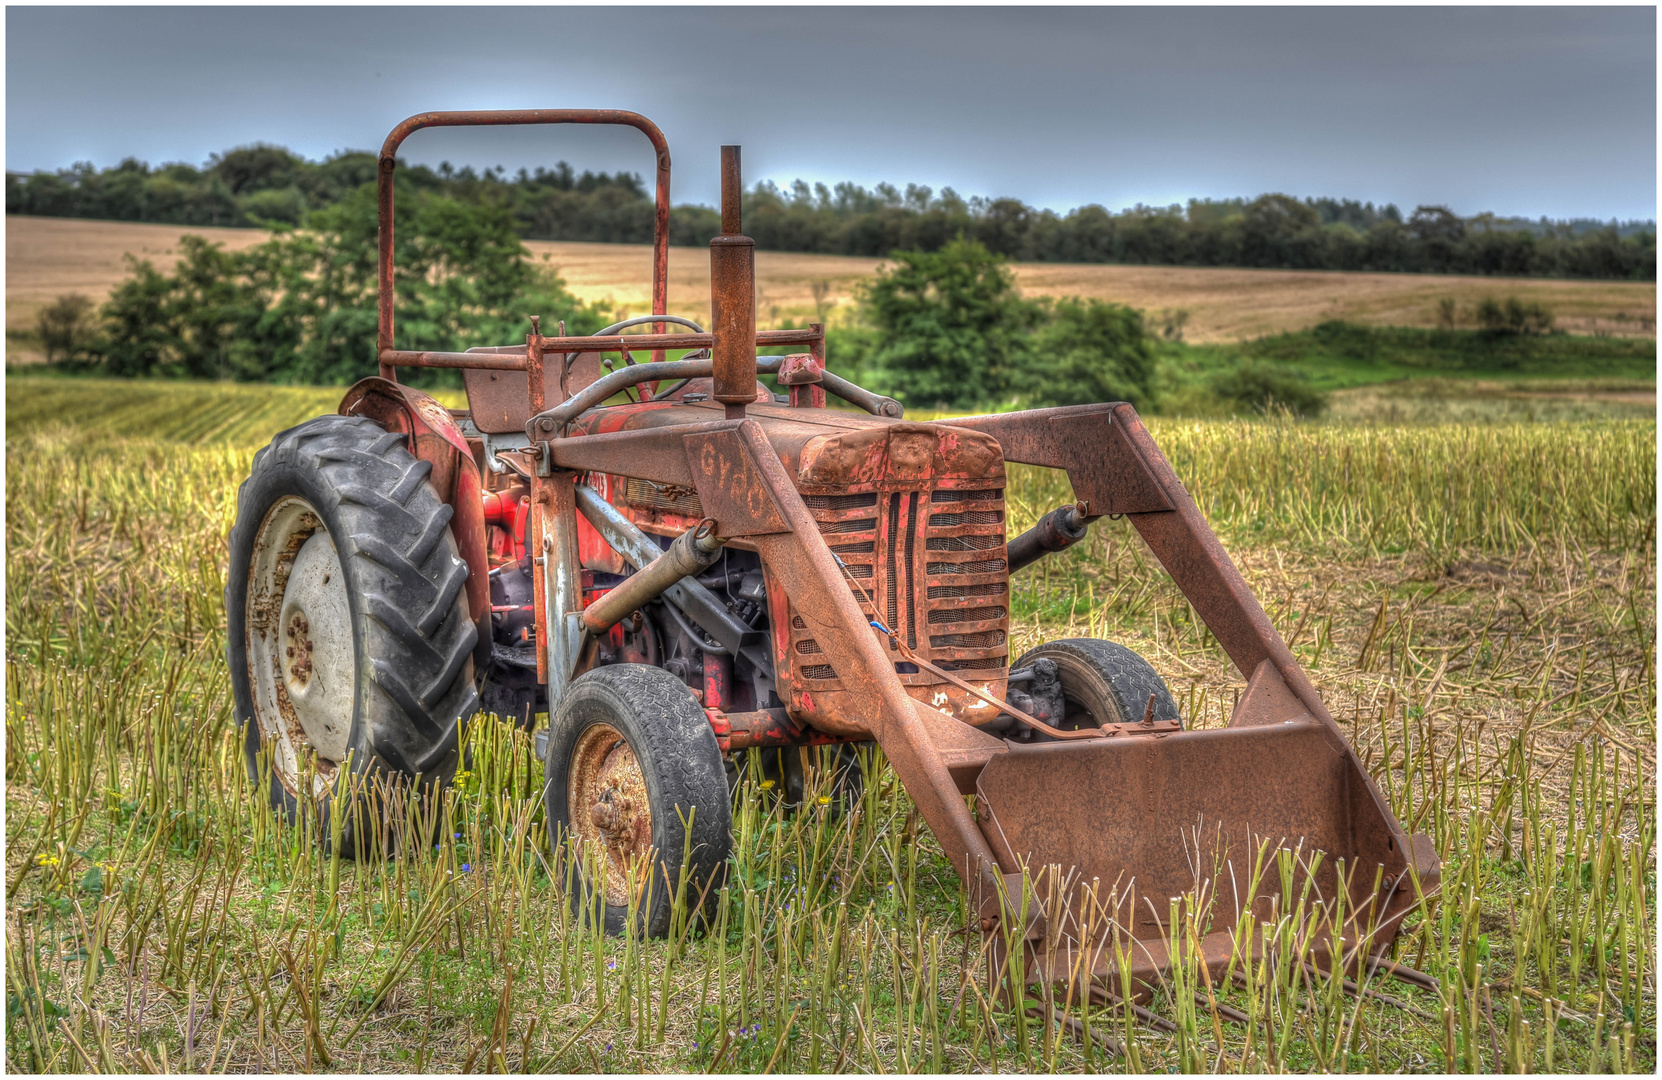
<point>301,656</point>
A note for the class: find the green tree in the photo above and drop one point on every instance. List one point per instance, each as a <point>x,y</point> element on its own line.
<point>302,306</point>
<point>1088,351</point>
<point>948,327</point>
<point>66,329</point>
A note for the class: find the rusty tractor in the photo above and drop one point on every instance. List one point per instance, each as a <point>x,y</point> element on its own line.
<point>708,566</point>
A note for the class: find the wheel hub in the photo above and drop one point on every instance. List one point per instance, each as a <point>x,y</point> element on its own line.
<point>608,805</point>
<point>299,651</point>
<point>301,655</point>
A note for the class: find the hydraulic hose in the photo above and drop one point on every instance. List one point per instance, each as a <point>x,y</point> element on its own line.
<point>690,553</point>
<point>1062,528</point>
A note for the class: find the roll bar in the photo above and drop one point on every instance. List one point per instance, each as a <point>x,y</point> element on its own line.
<point>489,118</point>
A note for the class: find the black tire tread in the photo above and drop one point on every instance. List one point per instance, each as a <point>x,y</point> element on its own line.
<point>1130,678</point>
<point>406,578</point>
<point>678,753</point>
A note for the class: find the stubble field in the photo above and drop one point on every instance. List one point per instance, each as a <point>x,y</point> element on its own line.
<point>49,257</point>
<point>1476,603</point>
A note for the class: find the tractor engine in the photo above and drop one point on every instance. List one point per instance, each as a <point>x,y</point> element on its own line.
<point>913,513</point>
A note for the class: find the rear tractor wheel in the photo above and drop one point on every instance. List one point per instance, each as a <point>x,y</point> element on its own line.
<point>349,638</point>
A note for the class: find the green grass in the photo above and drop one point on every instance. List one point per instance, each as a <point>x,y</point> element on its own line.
<point>1339,355</point>
<point>1476,603</point>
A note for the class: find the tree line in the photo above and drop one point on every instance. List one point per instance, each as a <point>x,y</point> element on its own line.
<point>268,186</point>
<point>946,327</point>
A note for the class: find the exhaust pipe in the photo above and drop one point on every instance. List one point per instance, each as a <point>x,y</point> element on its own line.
<point>1062,528</point>
<point>690,553</point>
<point>733,296</point>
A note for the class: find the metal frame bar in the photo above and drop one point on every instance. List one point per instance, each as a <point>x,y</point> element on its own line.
<point>513,117</point>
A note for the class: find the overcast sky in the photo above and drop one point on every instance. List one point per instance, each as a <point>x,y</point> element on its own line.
<point>1525,111</point>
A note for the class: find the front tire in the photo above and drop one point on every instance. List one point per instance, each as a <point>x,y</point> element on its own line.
<point>1103,683</point>
<point>348,632</point>
<point>633,772</point>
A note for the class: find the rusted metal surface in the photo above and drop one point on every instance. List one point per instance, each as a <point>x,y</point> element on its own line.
<point>561,638</point>
<point>549,421</point>
<point>500,400</point>
<point>1201,810</point>
<point>692,551</point>
<point>774,727</point>
<point>846,456</point>
<point>803,373</point>
<point>799,558</point>
<point>296,715</point>
<point>608,805</point>
<point>876,404</point>
<point>493,361</point>
<point>948,595</point>
<point>699,604</point>
<point>733,295</point>
<point>1105,463</point>
<point>729,487</point>
<point>490,118</point>
<point>600,389</point>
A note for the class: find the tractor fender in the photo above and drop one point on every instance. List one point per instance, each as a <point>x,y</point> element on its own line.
<point>434,437</point>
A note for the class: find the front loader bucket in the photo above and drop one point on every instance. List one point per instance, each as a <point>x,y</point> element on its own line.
<point>1115,851</point>
<point>1120,838</point>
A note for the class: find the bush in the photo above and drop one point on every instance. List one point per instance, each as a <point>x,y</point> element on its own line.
<point>949,327</point>
<point>67,329</point>
<point>1513,317</point>
<point>301,308</point>
<point>1268,389</point>
<point>1089,351</point>
<point>283,206</point>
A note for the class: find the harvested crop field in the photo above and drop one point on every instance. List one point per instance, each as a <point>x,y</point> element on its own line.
<point>47,257</point>
<point>1475,602</point>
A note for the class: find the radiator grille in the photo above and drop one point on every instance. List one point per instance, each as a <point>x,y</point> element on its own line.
<point>953,592</point>
<point>986,639</point>
<point>840,502</point>
<point>984,663</point>
<point>965,543</point>
<point>974,517</point>
<point>917,571</point>
<point>836,528</point>
<point>941,616</point>
<point>985,566</point>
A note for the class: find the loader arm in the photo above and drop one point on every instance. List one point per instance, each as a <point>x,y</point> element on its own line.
<point>1115,468</point>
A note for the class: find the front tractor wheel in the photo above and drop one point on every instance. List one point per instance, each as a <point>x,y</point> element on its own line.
<point>635,780</point>
<point>348,632</point>
<point>1092,682</point>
